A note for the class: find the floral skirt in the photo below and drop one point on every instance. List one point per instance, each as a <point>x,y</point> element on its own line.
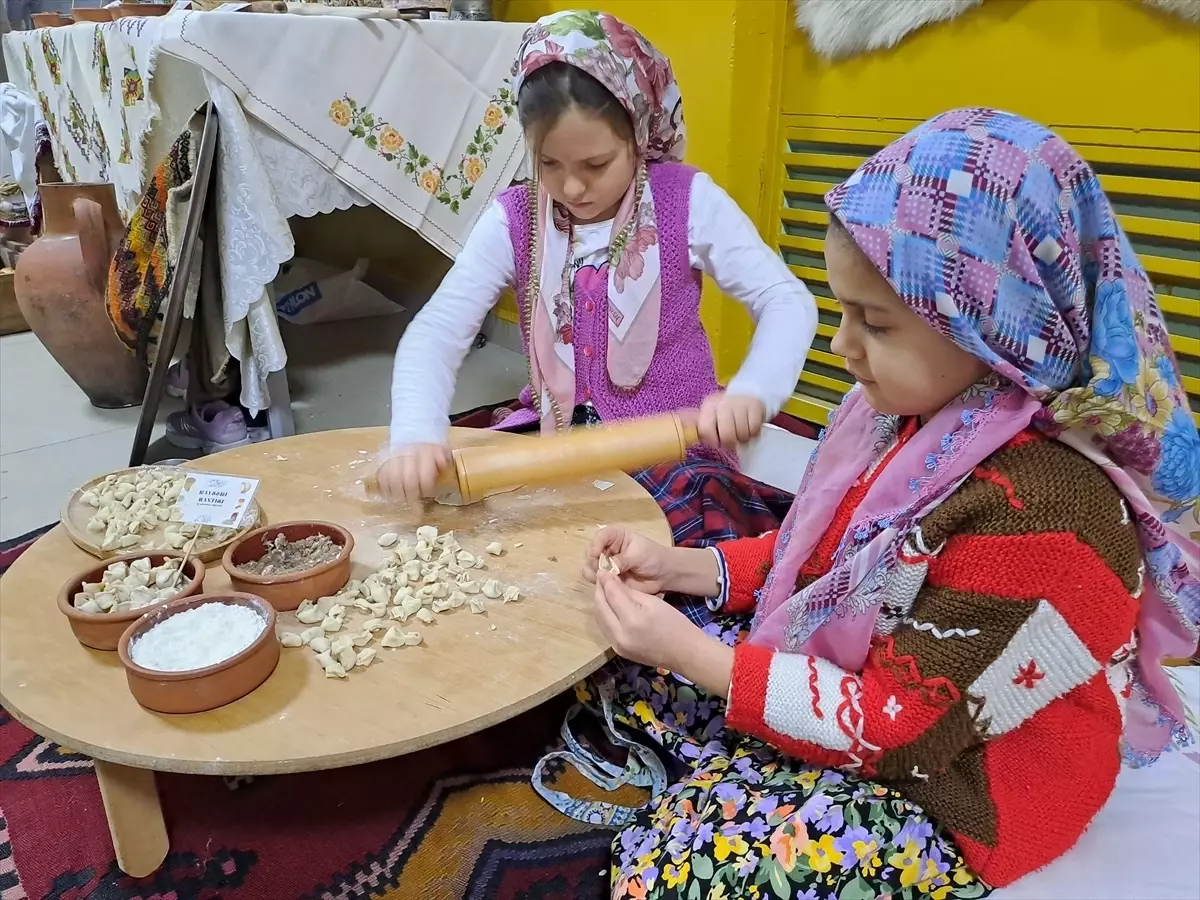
<point>745,821</point>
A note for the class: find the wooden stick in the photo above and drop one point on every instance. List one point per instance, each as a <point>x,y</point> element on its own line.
<point>187,554</point>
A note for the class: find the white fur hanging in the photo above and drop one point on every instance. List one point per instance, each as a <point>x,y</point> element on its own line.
<point>1185,9</point>
<point>840,28</point>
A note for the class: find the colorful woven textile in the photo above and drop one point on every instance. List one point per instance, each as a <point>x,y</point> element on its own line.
<point>142,269</point>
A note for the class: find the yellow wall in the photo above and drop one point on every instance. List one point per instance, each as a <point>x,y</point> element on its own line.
<point>1119,80</point>
<point>1105,63</point>
<point>726,57</point>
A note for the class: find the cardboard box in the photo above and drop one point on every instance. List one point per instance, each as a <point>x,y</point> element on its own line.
<point>11,320</point>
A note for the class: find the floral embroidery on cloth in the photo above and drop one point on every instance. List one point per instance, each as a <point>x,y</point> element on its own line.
<point>451,189</point>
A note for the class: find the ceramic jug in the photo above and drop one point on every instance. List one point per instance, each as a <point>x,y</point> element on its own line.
<point>60,287</point>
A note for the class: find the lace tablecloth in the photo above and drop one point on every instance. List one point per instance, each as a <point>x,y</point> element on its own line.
<point>319,113</point>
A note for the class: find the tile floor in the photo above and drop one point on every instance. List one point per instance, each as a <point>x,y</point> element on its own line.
<point>52,439</point>
<point>339,374</point>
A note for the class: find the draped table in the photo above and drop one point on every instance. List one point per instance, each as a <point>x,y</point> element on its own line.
<point>317,113</point>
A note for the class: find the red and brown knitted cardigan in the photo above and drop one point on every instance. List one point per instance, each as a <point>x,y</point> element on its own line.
<point>994,691</point>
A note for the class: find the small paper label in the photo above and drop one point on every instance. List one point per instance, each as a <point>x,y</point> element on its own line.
<point>218,500</point>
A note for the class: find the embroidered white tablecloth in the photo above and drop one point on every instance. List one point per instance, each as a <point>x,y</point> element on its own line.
<point>316,113</point>
<point>414,117</point>
<point>101,96</point>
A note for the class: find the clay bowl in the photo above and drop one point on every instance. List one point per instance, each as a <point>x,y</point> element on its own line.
<point>286,592</point>
<point>129,10</point>
<point>84,14</point>
<point>197,690</point>
<point>102,631</point>
<point>49,20</point>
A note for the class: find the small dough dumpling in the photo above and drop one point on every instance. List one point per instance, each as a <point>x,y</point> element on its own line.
<point>333,669</point>
<point>365,657</point>
<point>308,635</point>
<point>428,534</point>
<point>477,605</point>
<point>388,539</point>
<point>348,659</point>
<point>492,589</point>
<point>511,593</point>
<point>290,639</point>
<point>425,616</point>
<point>320,644</point>
<point>310,616</point>
<point>495,548</point>
<point>393,637</point>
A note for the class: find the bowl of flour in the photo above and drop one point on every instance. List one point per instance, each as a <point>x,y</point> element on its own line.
<point>199,653</point>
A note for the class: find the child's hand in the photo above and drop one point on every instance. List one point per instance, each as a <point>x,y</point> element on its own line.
<point>727,420</point>
<point>643,563</point>
<point>652,632</point>
<point>648,566</point>
<point>413,472</point>
<point>640,627</point>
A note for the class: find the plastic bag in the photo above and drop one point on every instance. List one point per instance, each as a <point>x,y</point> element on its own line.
<point>307,292</point>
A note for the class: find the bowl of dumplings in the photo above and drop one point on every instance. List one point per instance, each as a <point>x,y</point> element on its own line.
<point>104,600</point>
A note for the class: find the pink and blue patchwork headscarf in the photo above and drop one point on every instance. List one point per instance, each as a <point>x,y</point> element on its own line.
<point>998,234</point>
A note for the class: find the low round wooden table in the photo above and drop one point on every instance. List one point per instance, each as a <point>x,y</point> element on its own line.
<point>466,677</point>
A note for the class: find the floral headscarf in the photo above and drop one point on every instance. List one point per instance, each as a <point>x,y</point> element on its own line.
<point>998,234</point>
<point>641,79</point>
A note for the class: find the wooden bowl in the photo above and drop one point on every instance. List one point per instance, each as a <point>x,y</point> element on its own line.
<point>129,10</point>
<point>198,690</point>
<point>286,592</point>
<point>49,20</point>
<point>98,14</point>
<point>102,631</point>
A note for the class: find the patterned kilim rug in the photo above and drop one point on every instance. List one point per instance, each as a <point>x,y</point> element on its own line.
<point>457,821</point>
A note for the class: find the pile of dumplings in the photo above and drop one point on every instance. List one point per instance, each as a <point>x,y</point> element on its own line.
<point>126,587</point>
<point>131,506</point>
<point>434,575</point>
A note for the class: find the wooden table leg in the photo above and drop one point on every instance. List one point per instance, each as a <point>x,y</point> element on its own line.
<point>135,818</point>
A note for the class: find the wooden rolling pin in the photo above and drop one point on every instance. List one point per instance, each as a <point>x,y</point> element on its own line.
<point>487,468</point>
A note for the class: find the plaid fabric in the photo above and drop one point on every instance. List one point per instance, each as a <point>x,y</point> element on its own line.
<point>706,502</point>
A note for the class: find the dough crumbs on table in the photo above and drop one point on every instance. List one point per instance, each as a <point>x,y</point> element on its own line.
<point>423,576</point>
<point>196,638</point>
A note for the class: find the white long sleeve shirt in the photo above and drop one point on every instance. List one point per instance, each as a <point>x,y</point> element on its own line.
<point>722,243</point>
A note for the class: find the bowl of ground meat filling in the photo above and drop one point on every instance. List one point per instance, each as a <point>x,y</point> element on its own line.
<point>289,563</point>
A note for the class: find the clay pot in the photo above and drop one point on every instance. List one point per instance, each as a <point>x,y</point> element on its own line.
<point>198,690</point>
<point>102,631</point>
<point>60,286</point>
<point>130,10</point>
<point>97,14</point>
<point>287,592</point>
<point>49,20</point>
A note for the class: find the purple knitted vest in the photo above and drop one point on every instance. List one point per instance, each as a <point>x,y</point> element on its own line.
<point>682,372</point>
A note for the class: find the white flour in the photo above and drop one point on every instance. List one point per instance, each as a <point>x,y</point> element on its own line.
<point>198,637</point>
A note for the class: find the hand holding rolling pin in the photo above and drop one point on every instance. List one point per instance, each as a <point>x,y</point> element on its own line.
<point>413,472</point>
